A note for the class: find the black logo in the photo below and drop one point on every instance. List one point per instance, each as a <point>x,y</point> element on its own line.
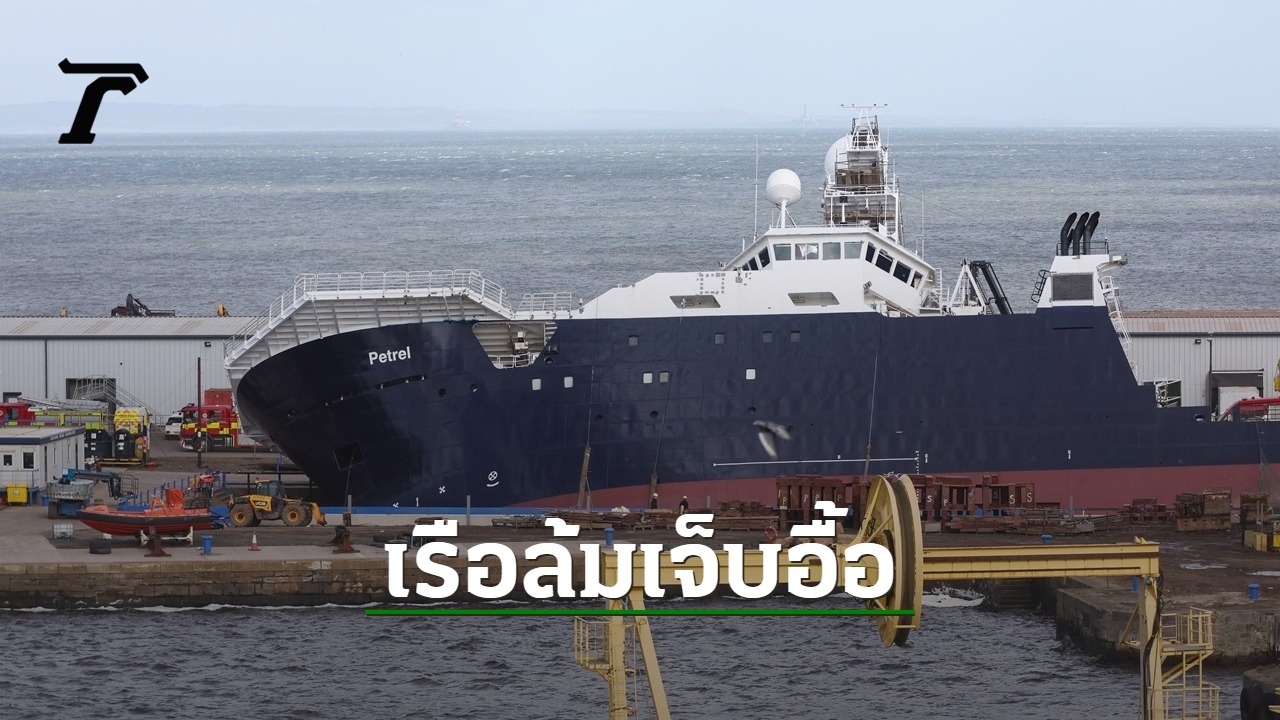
<point>82,126</point>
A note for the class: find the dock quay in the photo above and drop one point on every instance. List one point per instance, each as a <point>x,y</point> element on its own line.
<point>299,567</point>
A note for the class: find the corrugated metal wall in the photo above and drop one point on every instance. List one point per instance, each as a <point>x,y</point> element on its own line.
<point>159,372</point>
<point>22,366</point>
<point>1178,357</point>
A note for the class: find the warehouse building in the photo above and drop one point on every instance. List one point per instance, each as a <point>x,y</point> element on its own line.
<point>134,361</point>
<point>1211,358</point>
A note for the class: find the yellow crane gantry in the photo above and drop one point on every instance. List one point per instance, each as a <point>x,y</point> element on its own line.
<point>892,519</point>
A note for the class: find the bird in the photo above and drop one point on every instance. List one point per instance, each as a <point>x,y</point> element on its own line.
<point>769,433</point>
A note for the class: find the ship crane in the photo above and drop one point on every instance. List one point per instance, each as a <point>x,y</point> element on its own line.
<point>969,297</point>
<point>892,519</point>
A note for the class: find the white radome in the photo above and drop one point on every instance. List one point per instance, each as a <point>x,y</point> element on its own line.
<point>782,186</point>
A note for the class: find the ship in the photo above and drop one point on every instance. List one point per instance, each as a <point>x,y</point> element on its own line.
<point>439,389</point>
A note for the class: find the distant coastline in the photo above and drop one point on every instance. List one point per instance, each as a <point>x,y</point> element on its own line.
<point>140,117</point>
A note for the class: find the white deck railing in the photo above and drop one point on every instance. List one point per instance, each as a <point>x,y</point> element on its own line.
<point>365,284</point>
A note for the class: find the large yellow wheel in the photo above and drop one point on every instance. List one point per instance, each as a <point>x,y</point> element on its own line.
<point>293,515</point>
<point>892,519</point>
<point>241,515</point>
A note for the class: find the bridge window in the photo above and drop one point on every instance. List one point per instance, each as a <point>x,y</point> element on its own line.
<point>752,265</point>
<point>884,261</point>
<point>781,252</point>
<point>830,251</point>
<point>851,250</point>
<point>871,252</point>
<point>764,258</point>
<point>915,279</point>
<point>902,272</point>
<point>806,251</point>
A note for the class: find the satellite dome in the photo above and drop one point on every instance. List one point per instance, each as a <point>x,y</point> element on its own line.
<point>782,186</point>
<point>837,149</point>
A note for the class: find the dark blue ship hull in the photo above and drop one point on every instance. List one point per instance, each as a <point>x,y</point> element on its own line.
<point>1047,397</point>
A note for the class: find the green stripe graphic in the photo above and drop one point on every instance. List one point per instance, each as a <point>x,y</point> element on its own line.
<point>660,612</point>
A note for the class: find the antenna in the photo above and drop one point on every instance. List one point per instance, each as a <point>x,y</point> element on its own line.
<point>755,219</point>
<point>862,109</point>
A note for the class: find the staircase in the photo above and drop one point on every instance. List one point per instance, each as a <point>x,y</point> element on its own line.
<point>1111,294</point>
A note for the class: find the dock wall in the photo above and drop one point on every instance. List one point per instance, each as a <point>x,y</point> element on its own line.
<point>342,580</point>
<point>1095,618</point>
<point>1092,617</point>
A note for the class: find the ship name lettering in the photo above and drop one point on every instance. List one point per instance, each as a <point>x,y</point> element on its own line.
<point>389,355</point>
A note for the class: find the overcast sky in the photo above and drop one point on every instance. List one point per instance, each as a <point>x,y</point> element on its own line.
<point>1026,62</point>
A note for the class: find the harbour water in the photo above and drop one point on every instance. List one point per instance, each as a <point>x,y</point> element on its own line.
<point>184,222</point>
<point>322,663</point>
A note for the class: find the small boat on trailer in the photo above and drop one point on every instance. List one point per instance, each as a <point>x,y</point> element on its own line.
<point>173,515</point>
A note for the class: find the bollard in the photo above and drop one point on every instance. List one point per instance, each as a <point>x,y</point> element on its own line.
<point>1046,538</point>
<point>1136,584</point>
<point>208,544</point>
<point>608,537</point>
<point>1254,589</point>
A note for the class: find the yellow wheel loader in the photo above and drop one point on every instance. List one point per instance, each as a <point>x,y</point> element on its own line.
<point>268,502</point>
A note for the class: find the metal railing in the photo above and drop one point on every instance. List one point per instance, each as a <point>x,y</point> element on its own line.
<point>545,302</point>
<point>384,284</point>
<point>187,483</point>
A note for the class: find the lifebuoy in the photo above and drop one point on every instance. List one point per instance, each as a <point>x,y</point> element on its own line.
<point>770,533</point>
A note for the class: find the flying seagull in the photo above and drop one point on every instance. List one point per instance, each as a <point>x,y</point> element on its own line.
<point>769,433</point>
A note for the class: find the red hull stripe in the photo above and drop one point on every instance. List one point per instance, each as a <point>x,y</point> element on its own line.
<point>1104,488</point>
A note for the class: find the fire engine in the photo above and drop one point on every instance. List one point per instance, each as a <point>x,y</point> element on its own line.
<point>212,424</point>
<point>34,412</point>
<point>1254,410</point>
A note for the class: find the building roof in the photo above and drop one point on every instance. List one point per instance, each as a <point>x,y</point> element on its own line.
<point>111,327</point>
<point>29,434</point>
<point>1203,322</point>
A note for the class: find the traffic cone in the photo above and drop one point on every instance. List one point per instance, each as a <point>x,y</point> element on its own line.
<point>254,544</point>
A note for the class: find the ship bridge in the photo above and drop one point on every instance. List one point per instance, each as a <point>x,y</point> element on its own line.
<point>321,305</point>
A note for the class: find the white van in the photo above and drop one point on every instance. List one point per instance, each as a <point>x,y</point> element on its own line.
<point>173,426</point>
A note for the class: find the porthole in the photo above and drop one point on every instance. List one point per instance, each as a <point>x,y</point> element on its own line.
<point>442,392</point>
<point>474,387</point>
<point>653,413</point>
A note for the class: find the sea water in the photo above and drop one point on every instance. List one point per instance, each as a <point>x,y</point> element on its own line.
<point>186,221</point>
